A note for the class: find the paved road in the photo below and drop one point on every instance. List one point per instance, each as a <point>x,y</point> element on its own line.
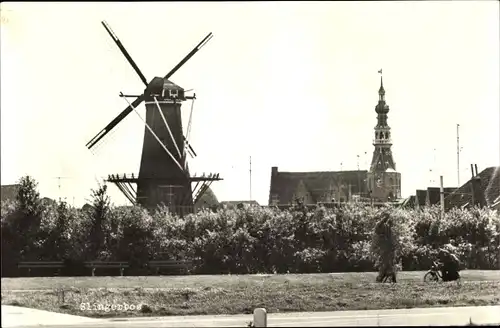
<point>18,317</point>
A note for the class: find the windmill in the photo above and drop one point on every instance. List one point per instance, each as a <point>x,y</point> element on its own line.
<point>164,174</point>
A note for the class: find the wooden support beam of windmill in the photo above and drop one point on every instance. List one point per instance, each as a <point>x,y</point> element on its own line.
<point>174,142</point>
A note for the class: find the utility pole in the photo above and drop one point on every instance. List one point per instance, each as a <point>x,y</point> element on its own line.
<point>250,177</point>
<point>359,180</point>
<point>434,164</point>
<point>59,185</point>
<point>441,196</point>
<point>472,185</point>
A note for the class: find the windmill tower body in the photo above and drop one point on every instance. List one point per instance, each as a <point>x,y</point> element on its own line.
<point>164,176</point>
<point>160,179</point>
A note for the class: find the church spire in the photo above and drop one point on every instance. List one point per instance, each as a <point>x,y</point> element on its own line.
<point>384,182</point>
<point>382,155</point>
<point>381,91</point>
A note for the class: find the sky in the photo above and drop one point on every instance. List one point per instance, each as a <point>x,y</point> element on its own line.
<point>292,85</point>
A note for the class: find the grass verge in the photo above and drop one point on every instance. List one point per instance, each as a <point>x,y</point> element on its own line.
<point>233,294</point>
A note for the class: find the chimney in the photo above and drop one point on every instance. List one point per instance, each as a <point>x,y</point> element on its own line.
<point>272,188</point>
<point>441,196</point>
<point>472,170</point>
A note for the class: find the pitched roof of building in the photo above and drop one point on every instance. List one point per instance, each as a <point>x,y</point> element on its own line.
<point>433,195</point>
<point>208,198</point>
<point>284,184</point>
<point>48,201</point>
<point>9,192</point>
<point>421,197</point>
<point>235,203</point>
<point>489,188</point>
<point>409,202</point>
<point>449,190</point>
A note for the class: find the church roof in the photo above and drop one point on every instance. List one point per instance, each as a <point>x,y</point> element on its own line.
<point>284,184</point>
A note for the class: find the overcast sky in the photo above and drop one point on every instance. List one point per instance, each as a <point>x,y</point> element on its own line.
<point>293,85</point>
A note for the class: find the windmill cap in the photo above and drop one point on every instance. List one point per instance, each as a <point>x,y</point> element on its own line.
<point>158,84</point>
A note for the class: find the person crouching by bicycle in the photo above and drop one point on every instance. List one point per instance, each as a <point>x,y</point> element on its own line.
<point>450,265</point>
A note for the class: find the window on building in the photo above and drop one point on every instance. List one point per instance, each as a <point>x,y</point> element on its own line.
<point>274,199</point>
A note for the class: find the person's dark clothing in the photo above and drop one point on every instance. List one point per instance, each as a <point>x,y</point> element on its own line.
<point>450,267</point>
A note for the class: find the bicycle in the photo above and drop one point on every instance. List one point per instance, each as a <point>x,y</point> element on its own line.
<point>434,274</point>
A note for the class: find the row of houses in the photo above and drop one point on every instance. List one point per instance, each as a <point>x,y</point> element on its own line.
<point>483,190</point>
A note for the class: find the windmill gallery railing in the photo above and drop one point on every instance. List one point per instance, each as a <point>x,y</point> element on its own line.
<point>125,184</point>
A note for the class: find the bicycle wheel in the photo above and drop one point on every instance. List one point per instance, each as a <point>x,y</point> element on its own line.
<point>431,276</point>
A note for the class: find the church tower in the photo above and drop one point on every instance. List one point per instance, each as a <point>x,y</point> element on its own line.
<point>383,180</point>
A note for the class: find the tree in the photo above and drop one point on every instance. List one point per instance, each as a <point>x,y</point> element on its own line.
<point>28,197</point>
<point>10,237</point>
<point>27,222</point>
<point>20,226</point>
<point>58,240</point>
<point>98,213</point>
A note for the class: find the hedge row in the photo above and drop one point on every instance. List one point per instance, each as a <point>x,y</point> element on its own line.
<point>248,240</point>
